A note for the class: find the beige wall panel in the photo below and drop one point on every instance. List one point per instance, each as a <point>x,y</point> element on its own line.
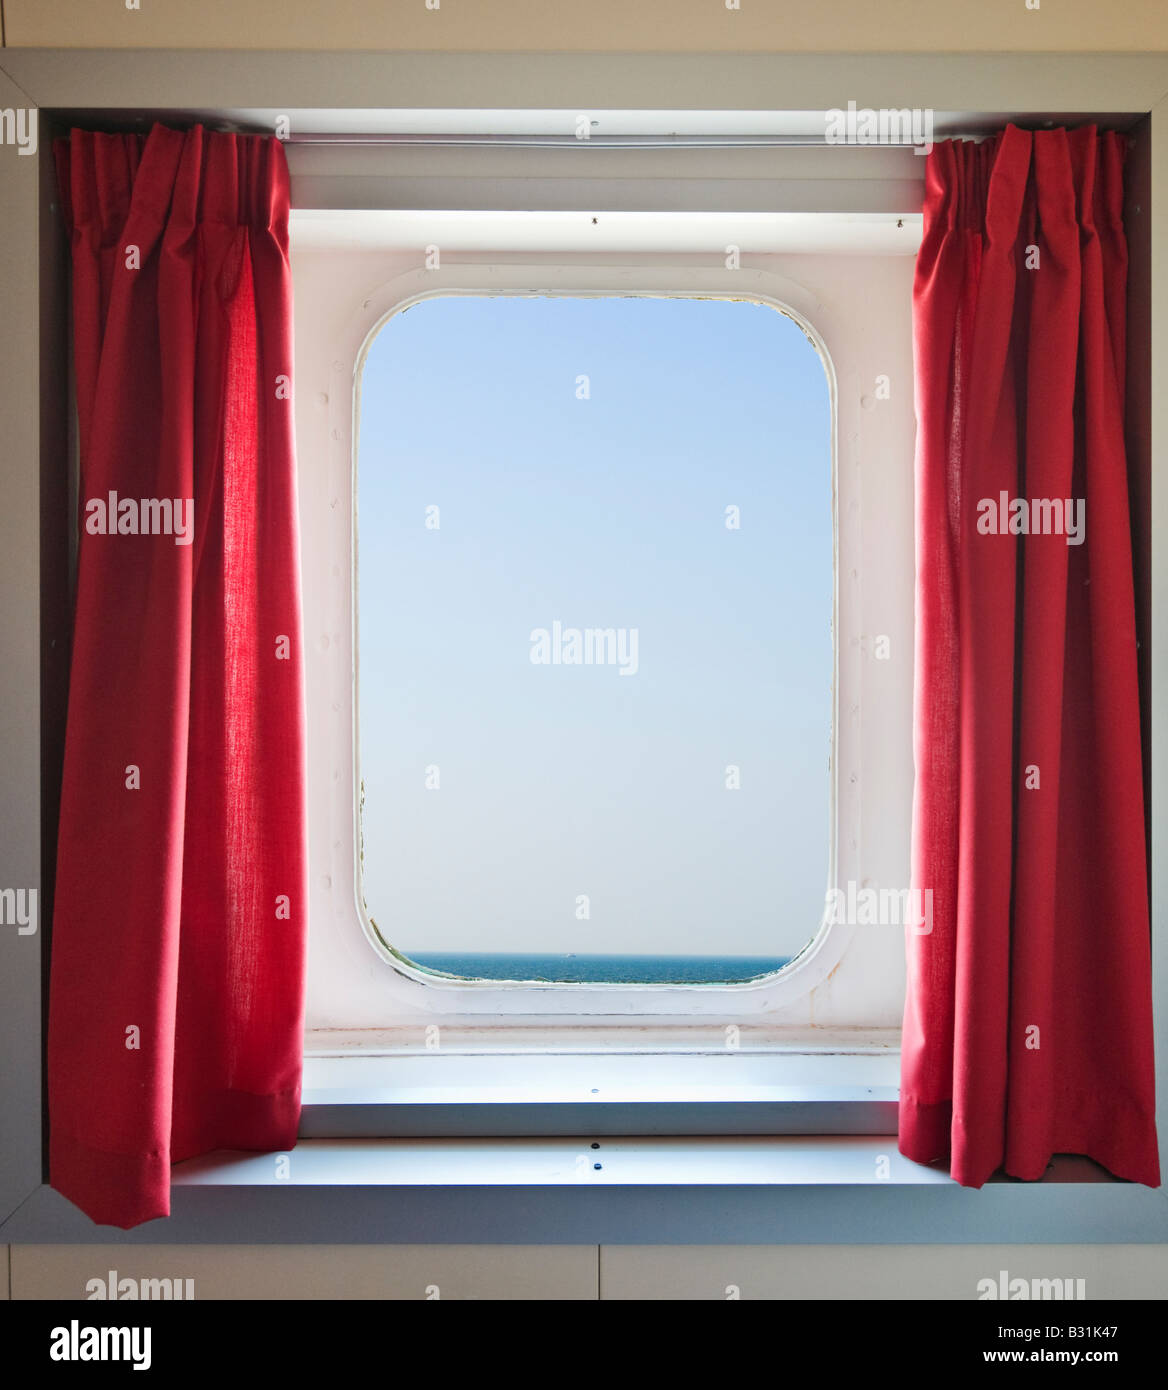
<point>834,1272</point>
<point>569,1272</point>
<point>531,1272</point>
<point>676,26</point>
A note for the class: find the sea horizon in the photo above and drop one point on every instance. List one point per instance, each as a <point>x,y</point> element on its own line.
<point>584,968</point>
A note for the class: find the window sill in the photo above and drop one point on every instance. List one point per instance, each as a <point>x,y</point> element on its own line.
<point>653,1187</point>
<point>448,1095</point>
<point>782,1161</point>
<point>773,1190</point>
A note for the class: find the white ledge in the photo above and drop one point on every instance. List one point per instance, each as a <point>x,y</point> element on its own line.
<point>434,1077</point>
<point>843,1160</point>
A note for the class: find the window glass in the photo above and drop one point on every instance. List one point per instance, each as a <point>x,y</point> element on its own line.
<point>595,587</point>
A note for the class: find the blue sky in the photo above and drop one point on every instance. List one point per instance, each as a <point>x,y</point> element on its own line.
<point>558,781</point>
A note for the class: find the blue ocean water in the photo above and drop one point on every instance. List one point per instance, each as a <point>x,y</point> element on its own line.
<point>585,969</point>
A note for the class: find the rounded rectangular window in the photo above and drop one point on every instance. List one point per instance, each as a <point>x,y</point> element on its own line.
<point>595,591</point>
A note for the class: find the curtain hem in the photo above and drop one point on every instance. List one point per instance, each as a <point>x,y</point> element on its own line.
<point>125,1190</point>
<point>926,1136</point>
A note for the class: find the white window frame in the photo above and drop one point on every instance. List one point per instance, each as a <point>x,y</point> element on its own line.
<point>817,995</point>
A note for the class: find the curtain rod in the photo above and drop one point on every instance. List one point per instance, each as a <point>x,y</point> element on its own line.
<point>620,142</point>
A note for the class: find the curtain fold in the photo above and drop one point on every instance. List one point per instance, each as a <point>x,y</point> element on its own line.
<point>177,966</point>
<point>1028,1024</point>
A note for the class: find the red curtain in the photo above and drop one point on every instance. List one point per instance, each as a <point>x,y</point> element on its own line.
<point>1027,1027</point>
<point>176,986</point>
